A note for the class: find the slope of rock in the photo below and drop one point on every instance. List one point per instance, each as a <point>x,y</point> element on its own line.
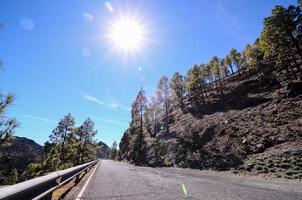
<point>255,128</point>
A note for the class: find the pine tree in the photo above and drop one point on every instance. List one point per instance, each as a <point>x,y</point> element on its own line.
<point>228,61</point>
<point>217,73</point>
<point>195,82</point>
<point>235,57</point>
<point>164,92</point>
<point>69,145</point>
<point>52,161</point>
<point>250,56</point>
<point>224,68</point>
<point>148,118</point>
<point>280,35</point>
<point>7,125</point>
<point>154,112</point>
<point>214,63</point>
<point>33,170</point>
<point>64,139</point>
<point>207,72</point>
<point>85,145</point>
<point>177,85</point>
<point>141,104</point>
<point>136,126</point>
<point>12,177</point>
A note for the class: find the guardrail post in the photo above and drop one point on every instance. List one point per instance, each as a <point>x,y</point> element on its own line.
<point>77,178</point>
<point>47,197</point>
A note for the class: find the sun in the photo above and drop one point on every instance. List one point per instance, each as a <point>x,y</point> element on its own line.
<point>127,34</point>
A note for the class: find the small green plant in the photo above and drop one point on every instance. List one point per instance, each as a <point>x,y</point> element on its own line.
<point>258,167</point>
<point>12,177</point>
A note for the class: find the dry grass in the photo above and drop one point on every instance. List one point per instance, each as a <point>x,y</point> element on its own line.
<point>61,192</point>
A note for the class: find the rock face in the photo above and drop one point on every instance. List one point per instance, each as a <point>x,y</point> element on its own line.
<point>255,128</point>
<point>104,152</point>
<point>19,155</point>
<point>294,89</point>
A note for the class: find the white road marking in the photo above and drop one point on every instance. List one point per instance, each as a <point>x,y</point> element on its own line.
<point>88,180</point>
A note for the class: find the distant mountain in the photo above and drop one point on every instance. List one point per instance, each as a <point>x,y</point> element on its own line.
<point>24,145</point>
<point>105,150</point>
<point>19,154</point>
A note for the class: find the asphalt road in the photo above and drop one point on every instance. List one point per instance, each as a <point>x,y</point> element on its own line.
<point>119,180</point>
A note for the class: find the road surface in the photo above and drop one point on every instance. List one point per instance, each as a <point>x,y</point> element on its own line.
<point>119,180</point>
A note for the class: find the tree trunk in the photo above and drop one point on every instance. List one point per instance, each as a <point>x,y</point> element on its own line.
<point>221,89</point>
<point>167,117</point>
<point>141,121</point>
<point>80,151</point>
<point>202,95</point>
<point>140,136</point>
<point>238,68</point>
<point>216,85</point>
<point>83,150</point>
<point>62,157</point>
<point>231,66</point>
<point>155,124</point>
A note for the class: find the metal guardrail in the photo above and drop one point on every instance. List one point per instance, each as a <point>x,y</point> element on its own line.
<point>42,187</point>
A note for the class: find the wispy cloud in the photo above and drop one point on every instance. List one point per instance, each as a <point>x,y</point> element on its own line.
<point>43,119</point>
<point>110,121</point>
<point>110,103</point>
<point>115,104</point>
<point>87,17</point>
<point>89,97</point>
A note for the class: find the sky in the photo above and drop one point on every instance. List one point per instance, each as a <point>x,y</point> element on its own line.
<point>63,56</point>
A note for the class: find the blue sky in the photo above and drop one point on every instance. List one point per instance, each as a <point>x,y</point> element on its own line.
<point>57,57</point>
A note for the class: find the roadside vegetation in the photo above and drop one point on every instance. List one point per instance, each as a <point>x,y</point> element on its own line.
<point>68,146</point>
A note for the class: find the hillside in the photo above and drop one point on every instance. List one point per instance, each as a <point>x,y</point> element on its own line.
<point>19,154</point>
<point>256,129</point>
